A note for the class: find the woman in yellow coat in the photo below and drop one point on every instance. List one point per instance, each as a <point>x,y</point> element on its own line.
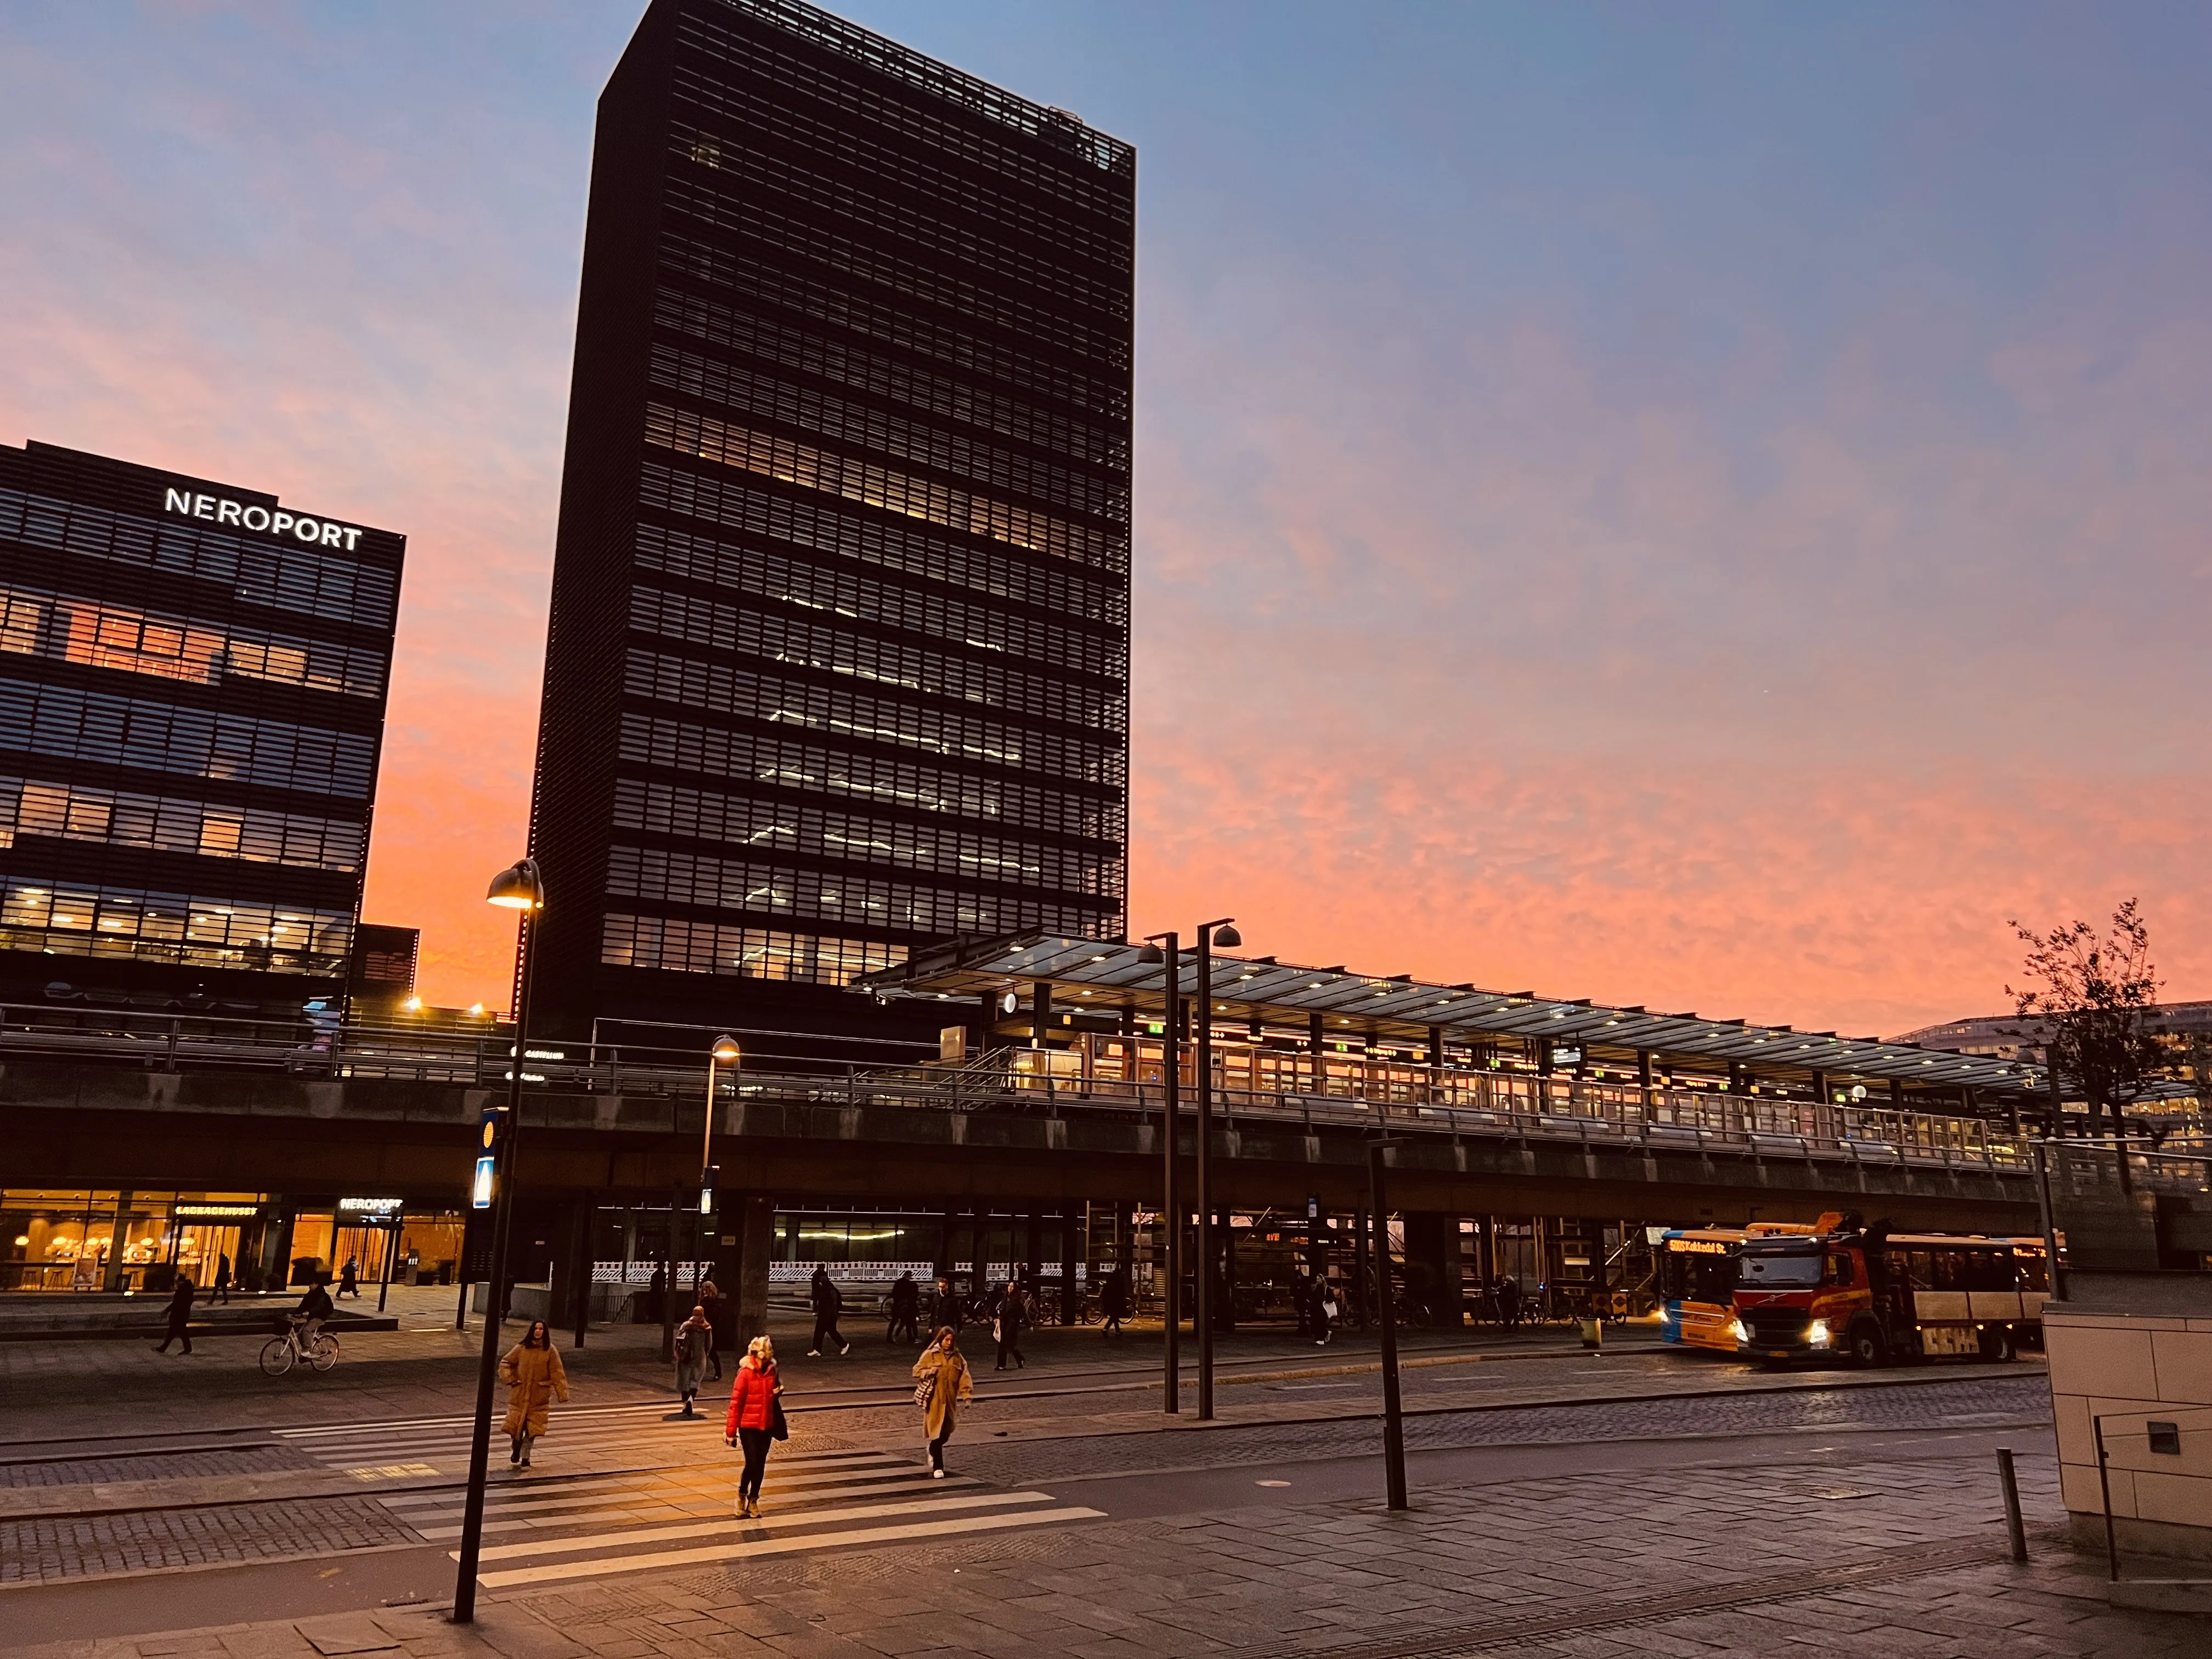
<point>942,1384</point>
<point>532,1373</point>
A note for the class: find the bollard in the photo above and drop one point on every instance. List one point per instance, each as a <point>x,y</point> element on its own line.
<point>2014,1527</point>
<point>1592,1332</point>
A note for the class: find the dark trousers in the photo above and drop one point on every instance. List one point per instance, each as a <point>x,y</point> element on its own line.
<point>937,1446</point>
<point>826,1325</point>
<point>755,1443</point>
<point>176,1332</point>
<point>1010,1343</point>
<point>901,1322</point>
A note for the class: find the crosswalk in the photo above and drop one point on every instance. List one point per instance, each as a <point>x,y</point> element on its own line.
<point>671,1502</point>
<point>582,1438</point>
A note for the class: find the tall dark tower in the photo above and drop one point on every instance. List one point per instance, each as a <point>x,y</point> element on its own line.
<point>838,663</point>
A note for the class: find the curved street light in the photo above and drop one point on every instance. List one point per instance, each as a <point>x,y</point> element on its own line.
<point>519,887</point>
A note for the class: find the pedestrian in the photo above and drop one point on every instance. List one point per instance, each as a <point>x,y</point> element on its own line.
<point>656,1290</point>
<point>349,1278</point>
<point>1013,1311</point>
<point>756,1417</point>
<point>722,1316</point>
<point>906,1311</point>
<point>180,1314</point>
<point>828,1302</point>
<point>1509,1301</point>
<point>695,1348</point>
<point>941,1385</point>
<point>944,1307</point>
<point>532,1373</point>
<point>1114,1301</point>
<point>221,1279</point>
<point>1322,1311</point>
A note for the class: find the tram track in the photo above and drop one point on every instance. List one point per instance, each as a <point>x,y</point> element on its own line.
<point>291,1486</point>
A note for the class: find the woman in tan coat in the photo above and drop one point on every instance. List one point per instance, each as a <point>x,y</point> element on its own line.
<point>942,1385</point>
<point>532,1373</point>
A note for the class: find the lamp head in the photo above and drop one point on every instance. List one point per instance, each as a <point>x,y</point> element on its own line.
<point>1152,957</point>
<point>1227,938</point>
<point>725,1049</point>
<point>519,887</point>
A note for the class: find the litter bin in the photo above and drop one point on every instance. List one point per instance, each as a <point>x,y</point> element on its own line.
<point>1592,1332</point>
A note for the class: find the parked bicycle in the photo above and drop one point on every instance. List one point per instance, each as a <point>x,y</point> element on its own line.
<point>280,1353</point>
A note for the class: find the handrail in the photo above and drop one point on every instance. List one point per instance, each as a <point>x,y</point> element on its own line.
<point>1480,1104</point>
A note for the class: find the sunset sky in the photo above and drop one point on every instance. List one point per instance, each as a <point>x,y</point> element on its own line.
<point>1708,506</point>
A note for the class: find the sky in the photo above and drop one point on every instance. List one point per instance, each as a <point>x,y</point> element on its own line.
<point>1705,507</point>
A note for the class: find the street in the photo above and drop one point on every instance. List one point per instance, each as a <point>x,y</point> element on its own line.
<point>1631,1499</point>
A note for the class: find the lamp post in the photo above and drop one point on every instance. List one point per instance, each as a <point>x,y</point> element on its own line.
<point>724,1052</point>
<point>1170,960</point>
<point>519,887</point>
<point>1217,932</point>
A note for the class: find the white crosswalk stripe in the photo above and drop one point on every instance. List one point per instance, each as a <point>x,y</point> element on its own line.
<point>619,1489</point>
<point>590,1526</point>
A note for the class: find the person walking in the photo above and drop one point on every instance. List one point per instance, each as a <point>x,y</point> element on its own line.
<point>532,1373</point>
<point>942,1386</point>
<point>1013,1313</point>
<point>1322,1311</point>
<point>1114,1302</point>
<point>695,1348</point>
<point>906,1309</point>
<point>722,1316</point>
<point>944,1307</point>
<point>755,1412</point>
<point>221,1279</point>
<point>350,1279</point>
<point>179,1312</point>
<point>828,1302</point>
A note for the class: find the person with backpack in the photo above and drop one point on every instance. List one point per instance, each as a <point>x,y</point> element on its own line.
<point>1013,1314</point>
<point>695,1348</point>
<point>942,1385</point>
<point>755,1420</point>
<point>828,1302</point>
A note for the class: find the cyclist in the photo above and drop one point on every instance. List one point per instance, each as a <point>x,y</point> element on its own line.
<point>314,1308</point>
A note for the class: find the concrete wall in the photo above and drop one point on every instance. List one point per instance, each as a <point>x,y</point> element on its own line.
<point>2129,1369</point>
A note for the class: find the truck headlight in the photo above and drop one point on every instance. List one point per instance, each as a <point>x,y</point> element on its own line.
<point>1816,1334</point>
<point>1740,1331</point>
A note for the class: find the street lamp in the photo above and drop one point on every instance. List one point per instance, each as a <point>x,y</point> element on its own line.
<point>1170,960</point>
<point>522,888</point>
<point>1217,932</point>
<point>724,1053</point>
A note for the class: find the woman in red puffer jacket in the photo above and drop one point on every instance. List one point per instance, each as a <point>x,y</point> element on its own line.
<point>753,1414</point>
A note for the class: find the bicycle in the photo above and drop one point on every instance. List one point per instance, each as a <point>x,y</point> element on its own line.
<point>280,1353</point>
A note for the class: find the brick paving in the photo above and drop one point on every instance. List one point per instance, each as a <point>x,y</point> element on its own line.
<point>1908,1563</point>
<point>37,1551</point>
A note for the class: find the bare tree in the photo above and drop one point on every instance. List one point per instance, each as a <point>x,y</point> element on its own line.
<point>2092,997</point>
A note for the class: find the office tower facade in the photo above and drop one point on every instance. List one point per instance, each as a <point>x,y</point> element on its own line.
<point>838,658</point>
<point>192,684</point>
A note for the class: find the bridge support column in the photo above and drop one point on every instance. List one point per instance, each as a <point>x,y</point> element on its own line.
<point>1432,1262</point>
<point>1070,1219</point>
<point>755,1231</point>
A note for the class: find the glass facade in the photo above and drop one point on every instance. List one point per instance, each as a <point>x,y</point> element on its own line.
<point>838,660</point>
<point>193,686</point>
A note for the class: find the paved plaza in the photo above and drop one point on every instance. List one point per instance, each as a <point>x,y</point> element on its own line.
<point>1641,1500</point>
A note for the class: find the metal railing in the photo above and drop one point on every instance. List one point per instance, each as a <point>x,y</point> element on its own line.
<point>1108,1074</point>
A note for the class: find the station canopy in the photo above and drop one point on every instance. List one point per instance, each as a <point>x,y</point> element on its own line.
<point>1100,975</point>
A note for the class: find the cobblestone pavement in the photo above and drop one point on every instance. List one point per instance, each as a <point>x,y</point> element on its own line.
<point>34,1551</point>
<point>2025,1400</point>
<point>1893,1559</point>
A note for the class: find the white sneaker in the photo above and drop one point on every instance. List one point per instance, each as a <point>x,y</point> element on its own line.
<point>814,1353</point>
<point>937,1474</point>
<point>842,1352</point>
